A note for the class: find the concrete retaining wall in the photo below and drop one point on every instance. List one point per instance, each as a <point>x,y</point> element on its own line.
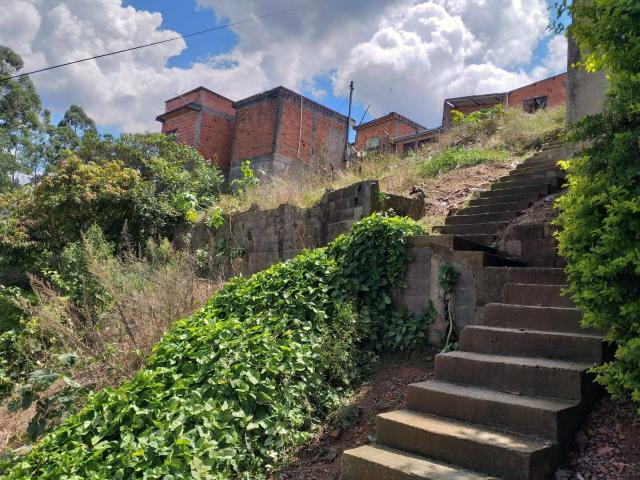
<point>251,241</point>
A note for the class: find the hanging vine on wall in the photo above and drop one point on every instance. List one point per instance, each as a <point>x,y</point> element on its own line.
<point>447,279</point>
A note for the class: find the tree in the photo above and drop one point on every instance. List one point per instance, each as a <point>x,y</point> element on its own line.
<point>599,223</point>
<point>19,117</point>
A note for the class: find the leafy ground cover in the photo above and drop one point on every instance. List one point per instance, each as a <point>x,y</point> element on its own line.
<point>231,389</point>
<point>453,157</point>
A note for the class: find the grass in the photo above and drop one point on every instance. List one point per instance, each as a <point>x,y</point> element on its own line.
<point>508,137</point>
<point>455,157</point>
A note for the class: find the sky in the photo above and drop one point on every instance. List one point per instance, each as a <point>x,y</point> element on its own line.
<point>403,55</point>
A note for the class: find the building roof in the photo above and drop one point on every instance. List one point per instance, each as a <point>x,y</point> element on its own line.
<point>476,100</point>
<point>390,116</point>
<point>197,89</point>
<point>283,92</point>
<point>182,108</point>
<point>426,133</point>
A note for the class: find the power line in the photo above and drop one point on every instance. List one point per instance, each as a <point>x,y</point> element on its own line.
<point>179,37</point>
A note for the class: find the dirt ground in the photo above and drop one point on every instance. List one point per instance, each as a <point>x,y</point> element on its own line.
<point>607,447</point>
<point>354,424</point>
<point>451,190</point>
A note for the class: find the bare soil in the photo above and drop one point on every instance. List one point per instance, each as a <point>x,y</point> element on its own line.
<point>449,191</point>
<point>354,424</point>
<point>607,447</point>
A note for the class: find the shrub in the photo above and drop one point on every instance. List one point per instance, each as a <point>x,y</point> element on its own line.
<point>229,390</point>
<point>600,215</point>
<point>452,157</point>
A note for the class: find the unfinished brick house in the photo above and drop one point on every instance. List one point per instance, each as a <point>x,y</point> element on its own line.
<point>545,93</point>
<point>379,135</point>
<point>282,131</point>
<point>277,131</point>
<point>205,120</point>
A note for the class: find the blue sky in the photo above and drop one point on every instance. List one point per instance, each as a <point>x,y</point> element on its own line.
<point>404,55</point>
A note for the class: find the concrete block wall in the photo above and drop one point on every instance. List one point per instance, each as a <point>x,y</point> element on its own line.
<point>532,243</point>
<point>266,237</point>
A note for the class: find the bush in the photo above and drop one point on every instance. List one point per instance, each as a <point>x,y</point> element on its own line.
<point>231,389</point>
<point>452,157</point>
<point>599,223</point>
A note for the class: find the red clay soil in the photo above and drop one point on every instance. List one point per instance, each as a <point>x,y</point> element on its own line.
<point>354,424</point>
<point>607,447</point>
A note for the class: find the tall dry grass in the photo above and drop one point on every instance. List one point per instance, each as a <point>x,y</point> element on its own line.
<point>513,131</point>
<point>143,298</point>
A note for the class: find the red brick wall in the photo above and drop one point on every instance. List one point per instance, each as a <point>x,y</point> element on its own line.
<point>382,130</point>
<point>185,125</point>
<point>255,125</point>
<point>216,131</point>
<point>216,139</point>
<point>554,88</point>
<point>329,133</point>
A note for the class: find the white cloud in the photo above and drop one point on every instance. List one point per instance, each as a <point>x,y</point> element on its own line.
<point>126,90</point>
<point>404,55</point>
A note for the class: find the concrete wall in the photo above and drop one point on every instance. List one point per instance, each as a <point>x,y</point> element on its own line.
<point>586,91</point>
<point>266,237</point>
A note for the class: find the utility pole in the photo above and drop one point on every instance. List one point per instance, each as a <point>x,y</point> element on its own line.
<point>346,143</point>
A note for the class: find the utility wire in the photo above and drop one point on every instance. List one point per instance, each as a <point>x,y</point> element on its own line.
<point>179,37</point>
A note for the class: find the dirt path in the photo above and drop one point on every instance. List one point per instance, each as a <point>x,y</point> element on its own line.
<point>354,424</point>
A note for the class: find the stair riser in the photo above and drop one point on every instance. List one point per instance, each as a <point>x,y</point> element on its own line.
<point>531,164</point>
<point>355,468</point>
<point>512,378</point>
<point>553,319</point>
<point>532,344</point>
<point>520,197</point>
<point>513,417</point>
<point>459,219</point>
<point>540,189</point>
<point>533,172</point>
<point>505,207</point>
<point>480,228</point>
<point>555,182</point>
<point>486,458</point>
<point>540,276</point>
<point>536,295</point>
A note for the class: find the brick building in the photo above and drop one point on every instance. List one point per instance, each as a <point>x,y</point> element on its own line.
<point>277,131</point>
<point>378,135</point>
<point>545,93</point>
<point>204,120</point>
<point>282,131</point>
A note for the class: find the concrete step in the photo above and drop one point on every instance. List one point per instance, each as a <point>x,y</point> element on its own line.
<point>546,418</point>
<point>536,163</point>
<point>507,455</point>
<point>482,238</point>
<point>495,208</point>
<point>517,197</point>
<point>536,295</point>
<point>471,229</point>
<point>541,188</point>
<point>535,275</point>
<point>555,182</point>
<point>378,463</point>
<point>534,171</point>
<point>518,342</point>
<point>459,219</point>
<point>551,319</point>
<point>550,154</point>
<point>518,375</point>
<point>553,145</point>
<point>449,243</point>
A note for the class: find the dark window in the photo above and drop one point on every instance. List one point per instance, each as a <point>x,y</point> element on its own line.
<point>531,105</point>
<point>173,133</point>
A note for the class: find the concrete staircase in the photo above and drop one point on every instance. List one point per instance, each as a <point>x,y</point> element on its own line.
<point>509,196</point>
<point>507,403</point>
